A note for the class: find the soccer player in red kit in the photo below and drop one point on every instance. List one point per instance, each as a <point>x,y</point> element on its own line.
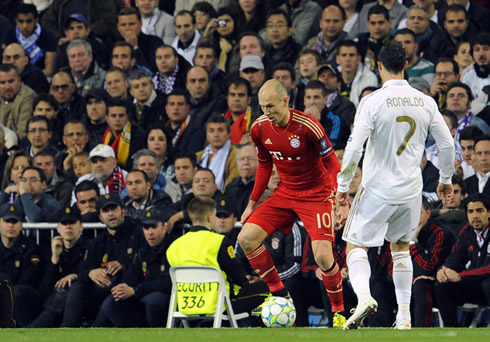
<point>297,144</point>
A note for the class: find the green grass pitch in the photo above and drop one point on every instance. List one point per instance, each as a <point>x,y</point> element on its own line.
<point>243,335</point>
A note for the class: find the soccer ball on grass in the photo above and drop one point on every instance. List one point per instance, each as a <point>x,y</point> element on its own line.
<point>278,312</point>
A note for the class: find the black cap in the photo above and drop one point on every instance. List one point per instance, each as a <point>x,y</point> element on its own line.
<point>224,206</point>
<point>152,216</point>
<point>112,198</point>
<point>98,94</point>
<point>12,211</point>
<point>70,215</point>
<point>330,67</point>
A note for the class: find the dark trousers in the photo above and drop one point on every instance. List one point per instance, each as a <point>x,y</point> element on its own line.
<point>7,319</point>
<point>149,311</point>
<point>27,304</point>
<point>451,295</point>
<point>422,303</point>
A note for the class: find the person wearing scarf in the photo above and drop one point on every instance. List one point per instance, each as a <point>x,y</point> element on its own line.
<point>239,113</point>
<point>219,155</point>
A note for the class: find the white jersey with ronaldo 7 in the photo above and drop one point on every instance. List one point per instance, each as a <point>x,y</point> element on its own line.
<point>396,119</point>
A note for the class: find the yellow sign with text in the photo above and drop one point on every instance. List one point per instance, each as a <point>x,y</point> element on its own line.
<point>197,298</point>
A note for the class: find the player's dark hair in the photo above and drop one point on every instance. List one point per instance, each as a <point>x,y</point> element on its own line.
<point>378,9</point>
<point>392,56</point>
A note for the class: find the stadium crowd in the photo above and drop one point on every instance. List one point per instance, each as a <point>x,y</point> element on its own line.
<point>125,112</point>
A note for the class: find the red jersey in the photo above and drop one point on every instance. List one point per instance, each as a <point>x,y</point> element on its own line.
<point>297,150</point>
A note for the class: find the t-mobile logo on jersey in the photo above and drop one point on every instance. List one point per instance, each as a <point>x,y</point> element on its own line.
<point>278,156</point>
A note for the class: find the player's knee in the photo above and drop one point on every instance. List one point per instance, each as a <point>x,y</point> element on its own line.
<point>324,259</point>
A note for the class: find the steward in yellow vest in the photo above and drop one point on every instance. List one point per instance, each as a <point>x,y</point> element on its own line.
<point>202,246</point>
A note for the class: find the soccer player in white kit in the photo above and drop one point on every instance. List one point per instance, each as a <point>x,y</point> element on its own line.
<point>395,120</point>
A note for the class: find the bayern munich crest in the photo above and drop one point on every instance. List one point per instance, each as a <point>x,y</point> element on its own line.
<point>294,141</point>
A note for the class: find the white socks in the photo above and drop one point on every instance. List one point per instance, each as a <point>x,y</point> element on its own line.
<point>359,273</point>
<point>402,278</point>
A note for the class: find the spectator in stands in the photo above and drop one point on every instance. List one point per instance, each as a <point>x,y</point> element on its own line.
<point>204,99</point>
<point>464,276</point>
<point>157,141</point>
<point>477,15</point>
<point>108,258</point>
<point>240,188</point>
<point>251,16</point>
<point>104,171</point>
<point>239,112</point>
<point>219,155</point>
<point>45,105</point>
<point>206,57</point>
<point>123,57</point>
<point>76,27</point>
<point>16,100</point>
<point>457,27</point>
<point>75,139</point>
<point>38,135</point>
<point>117,86</point>
<point>335,126</point>
<point>203,184</point>
<point>433,245</point>
<point>203,12</point>
<point>101,16</point>
<point>252,69</point>
<point>3,152</point>
<point>68,250</point>
<point>187,35</point>
<point>463,55</point>
<point>249,43</point>
<point>309,62</point>
<point>467,138</point>
<point>459,99</point>
<point>147,105</point>
<point>283,47</point>
<point>142,195</point>
<point>87,194</point>
<point>186,134</point>
<point>21,261</point>
<point>95,122</point>
<point>477,76</point>
<point>185,167</point>
<point>478,183</point>
<point>81,164</point>
<point>332,80</point>
<point>124,136</point>
<point>30,74</point>
<point>284,73</point>
<point>142,297</point>
<point>57,185</point>
<point>36,204</point>
<point>156,22</point>
<point>37,40</point>
<point>129,27</point>
<point>332,33</point>
<point>417,66</point>
<point>86,72</point>
<point>447,72</point>
<point>305,18</point>
<point>148,161</point>
<point>70,102</point>
<point>395,10</point>
<point>371,42</point>
<point>16,163</point>
<point>429,34</point>
<point>172,70</point>
<point>355,76</point>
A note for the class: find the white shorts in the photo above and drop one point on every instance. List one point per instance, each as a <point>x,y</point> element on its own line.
<point>371,220</point>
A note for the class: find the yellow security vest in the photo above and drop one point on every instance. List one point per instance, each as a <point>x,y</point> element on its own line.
<point>197,248</point>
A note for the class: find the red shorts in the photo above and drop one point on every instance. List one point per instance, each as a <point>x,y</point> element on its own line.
<point>279,213</point>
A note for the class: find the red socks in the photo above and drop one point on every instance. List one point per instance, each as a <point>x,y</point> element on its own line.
<point>262,263</point>
<point>332,279</point>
